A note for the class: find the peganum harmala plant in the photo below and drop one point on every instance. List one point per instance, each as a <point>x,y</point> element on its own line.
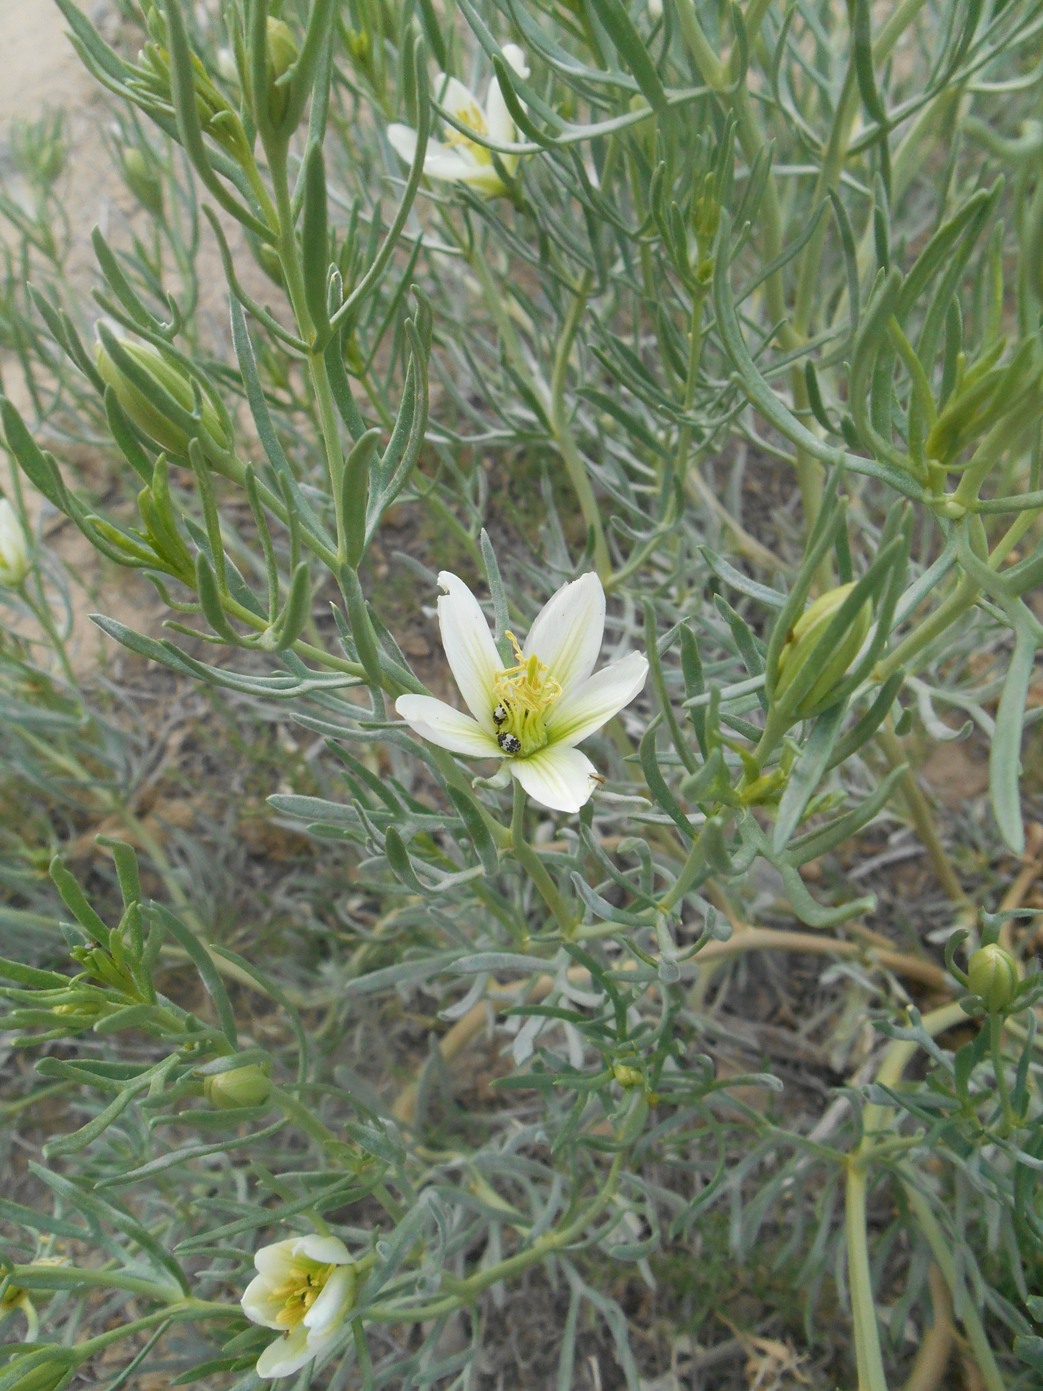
<point>707,335</point>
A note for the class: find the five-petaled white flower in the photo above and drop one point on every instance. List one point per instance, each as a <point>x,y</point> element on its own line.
<point>533,712</point>
<point>14,548</point>
<point>304,1287</point>
<point>461,159</point>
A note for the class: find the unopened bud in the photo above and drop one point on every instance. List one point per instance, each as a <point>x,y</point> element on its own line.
<point>44,1376</point>
<point>804,647</point>
<point>15,562</point>
<point>239,1086</point>
<point>992,973</point>
<point>281,50</point>
<point>627,1076</point>
<point>147,412</point>
<point>143,181</point>
<point>706,214</point>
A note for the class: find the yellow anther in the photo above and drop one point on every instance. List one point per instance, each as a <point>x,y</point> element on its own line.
<point>524,694</point>
<point>473,117</point>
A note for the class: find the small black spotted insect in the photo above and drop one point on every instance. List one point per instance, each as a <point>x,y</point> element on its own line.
<point>510,743</point>
<point>500,714</point>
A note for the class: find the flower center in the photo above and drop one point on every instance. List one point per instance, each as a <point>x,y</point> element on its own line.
<point>472,116</point>
<point>304,1282</point>
<point>524,696</point>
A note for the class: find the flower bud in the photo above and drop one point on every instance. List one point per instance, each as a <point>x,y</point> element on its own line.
<point>44,1376</point>
<point>992,973</point>
<point>804,646</point>
<point>281,51</point>
<point>627,1076</point>
<point>170,377</point>
<point>15,563</point>
<point>143,181</point>
<point>238,1086</point>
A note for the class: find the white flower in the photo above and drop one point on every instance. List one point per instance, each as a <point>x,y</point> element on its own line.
<point>305,1287</point>
<point>460,159</point>
<point>14,548</point>
<point>534,712</point>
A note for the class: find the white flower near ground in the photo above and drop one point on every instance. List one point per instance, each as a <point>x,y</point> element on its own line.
<point>304,1288</point>
<point>460,159</point>
<point>534,712</point>
<point>14,548</point>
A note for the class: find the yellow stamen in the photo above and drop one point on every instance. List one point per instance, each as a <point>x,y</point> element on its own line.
<point>524,695</point>
<point>473,117</point>
<point>304,1283</point>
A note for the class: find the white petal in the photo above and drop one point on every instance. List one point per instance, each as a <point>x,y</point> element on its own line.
<point>402,140</point>
<point>516,58</point>
<point>498,120</point>
<point>566,635</point>
<point>469,647</point>
<point>286,1355</point>
<point>327,1313</point>
<point>274,1261</point>
<point>258,1304</point>
<point>483,177</point>
<point>443,162</point>
<point>327,1250</point>
<point>457,100</point>
<point>586,707</point>
<point>457,166</point>
<point>557,777</point>
<point>448,728</point>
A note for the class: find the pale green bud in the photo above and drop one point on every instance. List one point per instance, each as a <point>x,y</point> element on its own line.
<point>148,415</point>
<point>239,1086</point>
<point>706,213</point>
<point>992,973</point>
<point>15,562</point>
<point>281,50</point>
<point>627,1076</point>
<point>15,559</point>
<point>143,181</point>
<point>804,645</point>
<point>43,1377</point>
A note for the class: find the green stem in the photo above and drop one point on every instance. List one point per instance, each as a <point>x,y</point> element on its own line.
<point>562,427</point>
<point>465,1292</point>
<point>868,1356</point>
<point>534,867</point>
<point>877,1126</point>
<point>963,1304</point>
<point>42,613</point>
<point>960,601</point>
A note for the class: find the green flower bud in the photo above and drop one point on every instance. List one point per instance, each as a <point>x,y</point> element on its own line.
<point>804,646</point>
<point>992,973</point>
<point>148,413</point>
<point>143,181</point>
<point>281,50</point>
<point>238,1086</point>
<point>15,561</point>
<point>706,214</point>
<point>627,1076</point>
<point>45,1376</point>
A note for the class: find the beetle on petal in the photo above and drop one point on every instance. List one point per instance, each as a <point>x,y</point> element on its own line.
<point>534,711</point>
